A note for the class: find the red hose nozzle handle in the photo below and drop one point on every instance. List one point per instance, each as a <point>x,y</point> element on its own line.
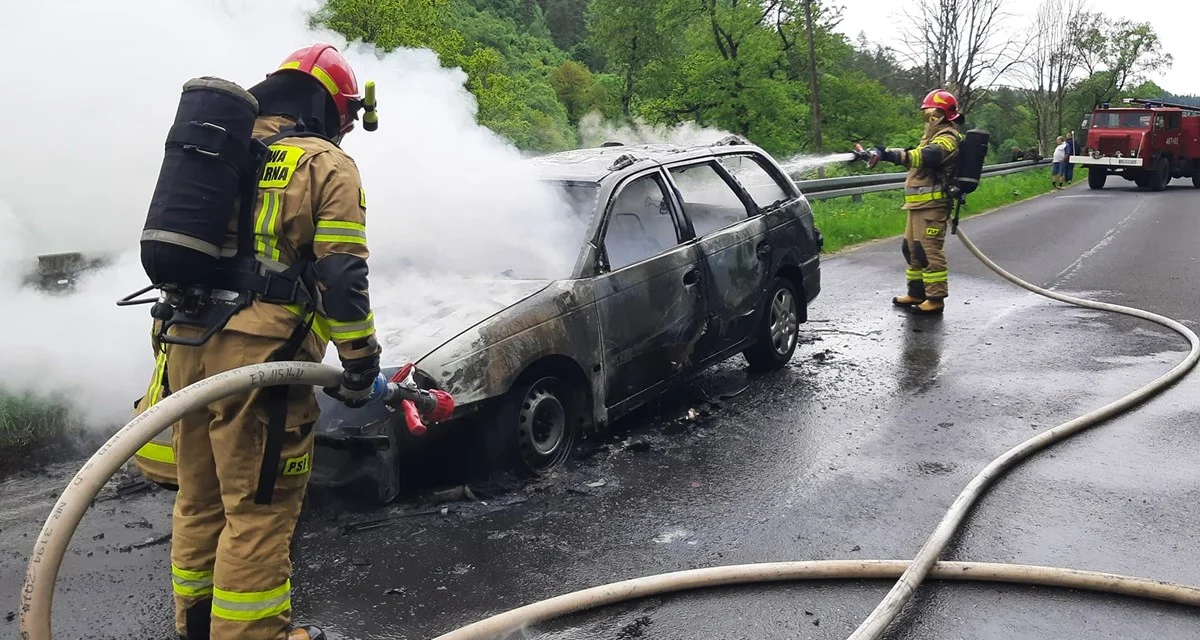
<point>412,418</point>
<point>444,407</point>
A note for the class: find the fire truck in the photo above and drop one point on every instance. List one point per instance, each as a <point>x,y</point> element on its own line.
<point>1148,142</point>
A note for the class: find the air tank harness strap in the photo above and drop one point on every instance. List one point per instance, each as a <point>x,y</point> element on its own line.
<point>275,403</point>
<point>211,140</point>
<point>284,287</point>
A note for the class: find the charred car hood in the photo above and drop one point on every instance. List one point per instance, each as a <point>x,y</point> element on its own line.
<point>408,329</point>
<point>416,316</point>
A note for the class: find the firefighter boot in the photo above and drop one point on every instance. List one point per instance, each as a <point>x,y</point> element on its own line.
<point>913,274</point>
<point>916,292</point>
<point>307,632</point>
<point>930,307</point>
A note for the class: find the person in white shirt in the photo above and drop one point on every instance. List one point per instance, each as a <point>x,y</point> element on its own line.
<point>1059,166</point>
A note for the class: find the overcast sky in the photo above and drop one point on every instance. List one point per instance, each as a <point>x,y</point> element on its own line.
<point>1173,20</point>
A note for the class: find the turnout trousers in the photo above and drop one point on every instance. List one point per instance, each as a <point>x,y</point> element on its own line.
<point>924,244</point>
<point>230,561</point>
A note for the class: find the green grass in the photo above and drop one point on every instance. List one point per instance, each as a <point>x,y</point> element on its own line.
<point>844,222</point>
<point>25,422</point>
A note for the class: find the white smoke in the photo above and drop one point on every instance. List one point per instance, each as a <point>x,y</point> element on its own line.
<point>92,90</point>
<point>594,131</point>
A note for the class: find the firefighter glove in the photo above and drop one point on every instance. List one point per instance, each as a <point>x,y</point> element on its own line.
<point>870,156</point>
<point>358,381</point>
<point>894,156</point>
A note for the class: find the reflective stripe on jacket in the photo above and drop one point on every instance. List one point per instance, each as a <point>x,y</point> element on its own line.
<point>931,167</point>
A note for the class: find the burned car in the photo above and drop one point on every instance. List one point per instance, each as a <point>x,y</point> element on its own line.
<point>691,255</point>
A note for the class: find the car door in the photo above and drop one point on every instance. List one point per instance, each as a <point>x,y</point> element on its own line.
<point>650,292</point>
<point>736,254</point>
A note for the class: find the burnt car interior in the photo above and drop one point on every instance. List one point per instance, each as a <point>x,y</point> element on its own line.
<point>641,225</point>
<point>763,187</point>
<point>708,200</point>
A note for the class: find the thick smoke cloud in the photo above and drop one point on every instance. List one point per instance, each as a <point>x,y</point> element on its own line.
<point>87,109</point>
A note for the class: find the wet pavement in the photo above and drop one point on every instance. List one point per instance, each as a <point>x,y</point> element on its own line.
<point>852,452</point>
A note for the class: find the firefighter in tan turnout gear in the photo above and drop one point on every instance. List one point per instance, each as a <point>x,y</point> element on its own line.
<point>930,172</point>
<point>243,464</point>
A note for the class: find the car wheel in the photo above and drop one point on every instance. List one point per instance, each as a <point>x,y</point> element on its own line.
<point>777,334</point>
<point>1196,179</point>
<point>1097,177</point>
<point>536,427</point>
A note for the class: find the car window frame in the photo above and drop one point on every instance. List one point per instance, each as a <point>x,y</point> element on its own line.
<point>782,180</point>
<point>751,207</point>
<point>683,235</point>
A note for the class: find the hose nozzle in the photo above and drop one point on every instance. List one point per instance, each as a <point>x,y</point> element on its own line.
<point>370,117</point>
<point>869,156</point>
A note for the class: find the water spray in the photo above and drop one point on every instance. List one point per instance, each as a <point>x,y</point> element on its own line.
<point>804,163</point>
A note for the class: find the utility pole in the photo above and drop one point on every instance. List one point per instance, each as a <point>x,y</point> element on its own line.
<point>815,90</point>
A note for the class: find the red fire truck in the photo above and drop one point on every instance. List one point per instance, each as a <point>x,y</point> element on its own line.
<point>1148,142</point>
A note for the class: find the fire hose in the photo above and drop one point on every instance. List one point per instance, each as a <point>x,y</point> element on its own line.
<point>37,594</point>
<point>51,544</point>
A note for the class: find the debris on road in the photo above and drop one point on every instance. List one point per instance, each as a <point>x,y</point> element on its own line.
<point>455,494</point>
<point>597,484</point>
<point>140,523</point>
<point>387,521</point>
<point>148,542</point>
<point>635,629</point>
<point>637,444</point>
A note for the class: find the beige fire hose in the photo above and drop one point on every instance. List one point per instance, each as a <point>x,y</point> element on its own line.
<point>38,591</point>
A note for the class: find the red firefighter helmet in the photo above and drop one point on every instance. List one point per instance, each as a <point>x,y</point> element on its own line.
<point>944,100</point>
<point>323,62</point>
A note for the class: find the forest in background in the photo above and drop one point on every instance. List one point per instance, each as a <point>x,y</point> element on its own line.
<point>542,71</point>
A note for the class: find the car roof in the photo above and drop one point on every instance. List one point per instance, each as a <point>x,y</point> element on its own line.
<point>594,164</point>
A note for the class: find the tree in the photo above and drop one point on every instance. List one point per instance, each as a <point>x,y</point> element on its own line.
<point>1050,62</point>
<point>631,36</point>
<point>960,45</point>
<point>394,23</point>
<point>1116,53</point>
<point>573,84</point>
<point>567,20</point>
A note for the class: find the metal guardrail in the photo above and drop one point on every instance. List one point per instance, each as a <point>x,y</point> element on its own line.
<point>856,186</point>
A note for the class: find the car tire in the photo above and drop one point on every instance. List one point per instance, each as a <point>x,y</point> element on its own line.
<point>1196,179</point>
<point>776,337</point>
<point>1097,176</point>
<point>536,426</point>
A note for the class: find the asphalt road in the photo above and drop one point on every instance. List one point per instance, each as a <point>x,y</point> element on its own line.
<point>853,452</point>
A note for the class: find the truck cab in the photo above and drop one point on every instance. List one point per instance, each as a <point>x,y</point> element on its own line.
<point>1148,143</point>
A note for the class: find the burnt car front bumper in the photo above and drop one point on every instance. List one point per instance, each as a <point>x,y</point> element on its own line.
<point>356,447</point>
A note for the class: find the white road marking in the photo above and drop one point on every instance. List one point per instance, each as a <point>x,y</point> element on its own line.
<point>1066,274</point>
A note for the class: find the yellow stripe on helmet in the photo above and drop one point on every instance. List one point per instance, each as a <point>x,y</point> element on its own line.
<point>319,73</point>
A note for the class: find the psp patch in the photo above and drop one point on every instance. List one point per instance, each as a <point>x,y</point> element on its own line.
<point>280,167</point>
<point>297,466</point>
